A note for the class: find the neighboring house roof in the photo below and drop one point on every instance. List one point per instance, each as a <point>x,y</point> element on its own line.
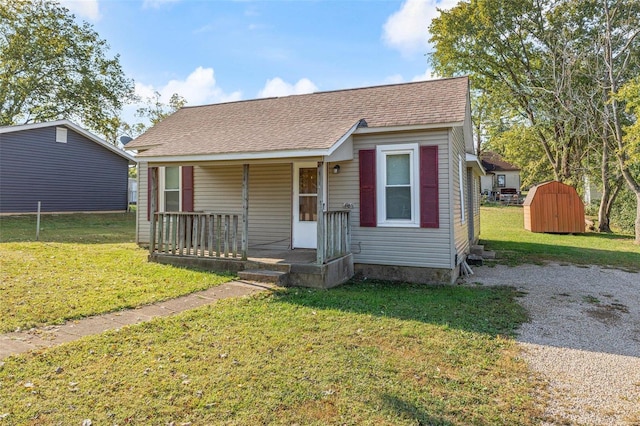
<point>313,123</point>
<point>493,162</point>
<point>70,125</point>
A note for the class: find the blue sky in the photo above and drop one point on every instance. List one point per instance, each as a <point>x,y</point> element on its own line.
<point>217,51</point>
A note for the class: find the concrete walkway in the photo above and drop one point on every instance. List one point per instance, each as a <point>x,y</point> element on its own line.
<point>37,338</point>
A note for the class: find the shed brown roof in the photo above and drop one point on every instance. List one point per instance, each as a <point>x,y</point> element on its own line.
<point>302,122</point>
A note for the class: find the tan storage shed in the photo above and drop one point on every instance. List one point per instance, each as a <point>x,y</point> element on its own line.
<point>553,207</point>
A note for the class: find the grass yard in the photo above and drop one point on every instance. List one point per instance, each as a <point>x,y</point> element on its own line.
<point>84,264</point>
<point>366,353</point>
<point>502,230</point>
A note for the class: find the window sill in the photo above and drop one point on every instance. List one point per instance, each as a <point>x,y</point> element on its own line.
<point>398,225</point>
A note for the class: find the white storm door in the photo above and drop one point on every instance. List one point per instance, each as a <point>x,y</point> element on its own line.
<point>305,205</point>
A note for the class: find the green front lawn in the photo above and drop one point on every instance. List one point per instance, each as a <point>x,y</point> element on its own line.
<point>502,230</point>
<point>83,265</point>
<point>366,353</point>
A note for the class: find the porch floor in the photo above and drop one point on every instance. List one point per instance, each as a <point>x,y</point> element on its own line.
<point>296,267</point>
<point>282,257</point>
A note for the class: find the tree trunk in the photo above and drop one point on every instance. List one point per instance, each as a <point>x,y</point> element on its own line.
<point>603,216</point>
<point>617,128</point>
<point>603,219</point>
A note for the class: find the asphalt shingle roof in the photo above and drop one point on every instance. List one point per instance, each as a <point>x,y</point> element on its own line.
<point>302,122</point>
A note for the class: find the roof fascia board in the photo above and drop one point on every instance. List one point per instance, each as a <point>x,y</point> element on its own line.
<point>414,127</point>
<point>288,160</point>
<point>30,126</point>
<point>240,156</point>
<point>343,138</point>
<point>75,128</point>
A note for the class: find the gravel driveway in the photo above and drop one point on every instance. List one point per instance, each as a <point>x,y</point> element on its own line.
<point>583,338</point>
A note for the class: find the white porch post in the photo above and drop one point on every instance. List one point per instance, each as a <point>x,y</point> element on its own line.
<point>320,213</point>
<point>245,211</point>
<point>153,202</point>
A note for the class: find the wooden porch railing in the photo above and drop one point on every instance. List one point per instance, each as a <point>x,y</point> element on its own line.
<point>217,235</point>
<point>337,238</point>
<point>196,234</point>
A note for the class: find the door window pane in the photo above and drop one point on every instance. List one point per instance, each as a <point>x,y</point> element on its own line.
<point>308,181</point>
<point>398,169</point>
<point>308,208</point>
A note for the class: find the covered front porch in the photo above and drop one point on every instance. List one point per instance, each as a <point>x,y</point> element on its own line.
<point>221,241</point>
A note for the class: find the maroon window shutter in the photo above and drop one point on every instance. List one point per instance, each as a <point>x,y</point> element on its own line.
<point>187,188</point>
<point>429,211</point>
<point>368,187</point>
<point>150,173</point>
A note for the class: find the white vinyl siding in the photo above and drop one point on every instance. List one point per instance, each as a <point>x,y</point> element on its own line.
<point>458,188</point>
<point>420,247</point>
<point>142,224</point>
<point>476,207</point>
<point>219,189</point>
<point>461,192</point>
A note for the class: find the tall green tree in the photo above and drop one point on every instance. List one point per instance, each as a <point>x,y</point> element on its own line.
<point>628,152</point>
<point>153,111</point>
<point>51,67</point>
<point>551,66</point>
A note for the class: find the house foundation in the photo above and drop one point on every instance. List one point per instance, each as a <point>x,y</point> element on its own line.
<point>409,274</point>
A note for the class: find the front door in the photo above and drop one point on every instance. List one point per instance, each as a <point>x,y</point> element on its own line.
<point>305,205</point>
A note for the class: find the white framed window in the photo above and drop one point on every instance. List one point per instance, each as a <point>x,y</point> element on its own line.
<point>397,175</point>
<point>169,189</point>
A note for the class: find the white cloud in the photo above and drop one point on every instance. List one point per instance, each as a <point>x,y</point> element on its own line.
<point>87,9</point>
<point>408,29</point>
<point>278,87</point>
<point>198,88</point>
<point>427,75</point>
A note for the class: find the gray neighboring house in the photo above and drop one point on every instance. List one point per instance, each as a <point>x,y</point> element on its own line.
<point>62,165</point>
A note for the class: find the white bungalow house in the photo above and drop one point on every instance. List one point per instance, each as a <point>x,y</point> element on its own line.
<point>381,181</point>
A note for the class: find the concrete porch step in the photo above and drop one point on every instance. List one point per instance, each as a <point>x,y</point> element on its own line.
<point>262,276</point>
<point>474,260</point>
<point>488,254</point>
<point>477,249</point>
